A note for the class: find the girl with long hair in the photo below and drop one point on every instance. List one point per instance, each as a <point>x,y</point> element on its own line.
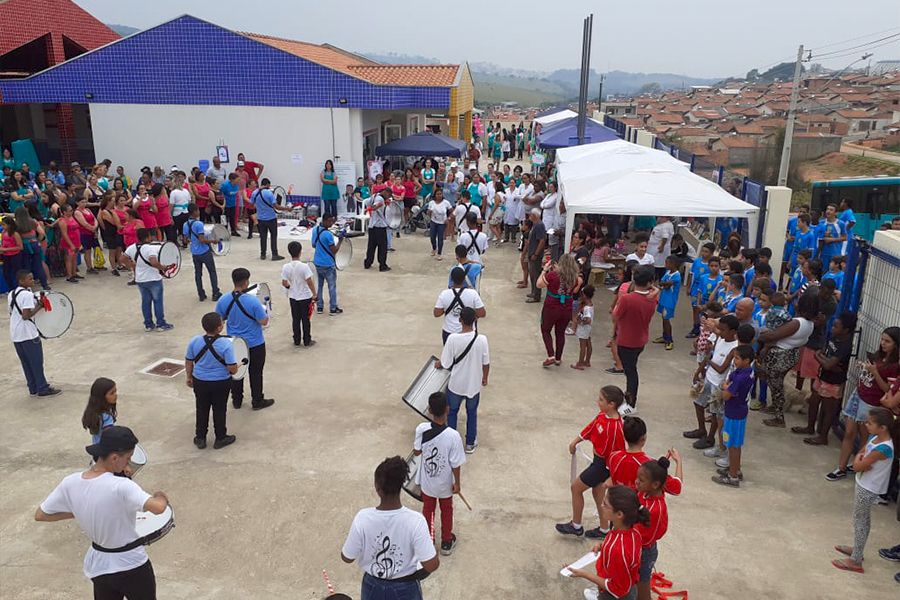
<point>562,281</point>
<point>32,235</point>
<point>109,230</point>
<point>11,249</point>
<point>330,191</point>
<point>87,232</point>
<point>164,219</point>
<point>100,411</point>
<point>69,241</point>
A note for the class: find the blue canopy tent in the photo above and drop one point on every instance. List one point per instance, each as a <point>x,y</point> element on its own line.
<point>424,143</point>
<point>565,133</point>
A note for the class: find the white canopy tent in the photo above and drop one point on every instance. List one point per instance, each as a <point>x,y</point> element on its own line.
<point>573,153</point>
<point>554,117</point>
<point>653,191</point>
<point>582,176</point>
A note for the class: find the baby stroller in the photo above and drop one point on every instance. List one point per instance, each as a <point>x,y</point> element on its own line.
<point>418,217</point>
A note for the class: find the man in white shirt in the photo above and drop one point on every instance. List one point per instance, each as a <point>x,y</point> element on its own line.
<point>476,242</point>
<point>104,506</point>
<point>25,337</point>
<point>452,301</point>
<point>438,476</point>
<point>660,244</point>
<point>216,172</point>
<point>378,240</point>
<point>550,217</point>
<point>143,257</point>
<point>180,199</point>
<point>464,208</point>
<point>457,174</point>
<point>467,357</point>
<point>296,277</point>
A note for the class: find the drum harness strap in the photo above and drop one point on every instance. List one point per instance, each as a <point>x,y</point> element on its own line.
<point>15,303</point>
<point>474,237</point>
<point>457,299</point>
<point>208,341</point>
<point>235,300</point>
<point>462,219</point>
<point>141,541</point>
<point>260,198</point>
<point>432,433</point>
<point>315,244</point>
<point>459,358</point>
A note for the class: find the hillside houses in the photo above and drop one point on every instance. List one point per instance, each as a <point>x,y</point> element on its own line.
<point>735,122</point>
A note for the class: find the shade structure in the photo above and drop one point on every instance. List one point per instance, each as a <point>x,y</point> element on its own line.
<point>658,191</point>
<point>424,143</point>
<point>564,155</point>
<point>608,160</point>
<point>564,133</point>
<point>553,115</point>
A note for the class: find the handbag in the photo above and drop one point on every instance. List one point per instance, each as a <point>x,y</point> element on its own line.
<point>99,259</point>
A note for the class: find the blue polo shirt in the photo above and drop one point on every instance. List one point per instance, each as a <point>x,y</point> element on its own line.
<point>239,324</point>
<point>847,217</point>
<point>473,270</point>
<point>838,279</point>
<point>322,241</point>
<point>749,275</point>
<point>230,191</point>
<point>198,248</point>
<point>830,249</point>
<point>265,203</point>
<point>698,270</point>
<point>789,244</point>
<point>803,241</point>
<point>208,367</point>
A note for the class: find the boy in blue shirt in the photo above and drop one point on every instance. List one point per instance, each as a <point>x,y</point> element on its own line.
<point>848,218</point>
<point>245,316</point>
<point>804,240</point>
<point>748,260</point>
<point>733,292</point>
<point>699,268</point>
<point>836,272</point>
<point>670,284</point>
<point>324,260</point>
<point>201,253</point>
<point>209,364</point>
<point>833,235</point>
<point>230,191</point>
<point>798,280</point>
<point>708,283</point>
<point>735,391</point>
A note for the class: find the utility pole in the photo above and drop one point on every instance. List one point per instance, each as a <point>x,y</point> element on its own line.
<point>600,93</point>
<point>585,77</point>
<point>789,128</point>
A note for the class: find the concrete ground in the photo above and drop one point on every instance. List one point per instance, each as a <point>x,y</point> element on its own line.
<point>264,517</point>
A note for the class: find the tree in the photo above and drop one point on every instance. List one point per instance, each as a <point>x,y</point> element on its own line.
<point>752,75</point>
<point>649,88</point>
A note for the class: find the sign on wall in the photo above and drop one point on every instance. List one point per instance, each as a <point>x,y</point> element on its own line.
<point>222,152</point>
<point>346,174</point>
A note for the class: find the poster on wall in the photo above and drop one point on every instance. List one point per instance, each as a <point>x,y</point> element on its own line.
<point>346,174</point>
<point>222,153</point>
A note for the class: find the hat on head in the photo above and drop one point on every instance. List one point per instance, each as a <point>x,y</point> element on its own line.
<point>113,439</point>
<point>173,168</point>
<point>74,163</point>
<point>240,163</point>
<point>454,165</point>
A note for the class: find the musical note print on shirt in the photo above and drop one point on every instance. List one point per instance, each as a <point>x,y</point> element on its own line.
<point>387,560</point>
<point>433,463</point>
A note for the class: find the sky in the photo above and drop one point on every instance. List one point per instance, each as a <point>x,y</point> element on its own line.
<point>701,38</point>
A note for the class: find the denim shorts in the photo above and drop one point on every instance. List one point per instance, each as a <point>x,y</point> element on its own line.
<point>856,409</point>
<point>648,561</point>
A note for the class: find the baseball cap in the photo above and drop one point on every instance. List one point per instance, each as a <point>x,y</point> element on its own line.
<point>173,168</point>
<point>240,163</point>
<point>113,439</point>
<point>454,165</point>
<point>74,163</point>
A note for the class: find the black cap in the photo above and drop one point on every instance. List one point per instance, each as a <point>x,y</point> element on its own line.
<point>113,439</point>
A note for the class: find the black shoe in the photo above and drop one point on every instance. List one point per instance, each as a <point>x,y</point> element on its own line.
<point>262,256</point>
<point>200,442</point>
<point>222,442</point>
<point>447,547</point>
<point>237,403</point>
<point>367,266</point>
<point>310,344</point>
<point>595,534</point>
<point>235,234</point>
<point>264,403</point>
<point>132,282</point>
<point>50,391</point>
<point>277,257</point>
<point>337,311</point>
<point>569,529</point>
<point>216,296</point>
<point>319,311</point>
<point>203,298</point>
<point>703,443</point>
<point>382,269</point>
<point>694,434</point>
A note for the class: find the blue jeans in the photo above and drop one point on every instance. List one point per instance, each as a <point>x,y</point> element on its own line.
<point>437,236</point>
<point>31,354</point>
<point>329,275</point>
<point>152,298</point>
<point>455,401</point>
<point>330,207</point>
<point>380,589</point>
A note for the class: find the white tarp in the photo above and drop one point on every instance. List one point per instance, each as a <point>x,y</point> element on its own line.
<point>580,177</point>
<point>554,117</point>
<point>573,153</point>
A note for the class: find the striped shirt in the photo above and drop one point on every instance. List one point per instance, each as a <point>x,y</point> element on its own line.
<point>659,519</point>
<point>620,560</point>
<point>623,467</point>
<point>605,435</point>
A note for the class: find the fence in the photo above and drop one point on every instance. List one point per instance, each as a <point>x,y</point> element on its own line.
<point>871,289</point>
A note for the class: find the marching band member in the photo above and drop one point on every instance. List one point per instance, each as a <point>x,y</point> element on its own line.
<point>209,364</point>
<point>104,506</point>
<point>450,303</point>
<point>475,241</point>
<point>375,207</point>
<point>143,258</point>
<point>25,337</point>
<point>245,317</point>
<point>201,253</point>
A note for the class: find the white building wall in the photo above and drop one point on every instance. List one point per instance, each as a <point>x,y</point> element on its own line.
<point>135,135</point>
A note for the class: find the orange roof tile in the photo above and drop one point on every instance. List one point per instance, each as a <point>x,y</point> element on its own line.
<point>419,75</point>
<point>854,114</point>
<point>324,55</point>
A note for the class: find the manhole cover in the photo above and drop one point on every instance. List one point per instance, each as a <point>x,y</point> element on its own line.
<point>164,367</point>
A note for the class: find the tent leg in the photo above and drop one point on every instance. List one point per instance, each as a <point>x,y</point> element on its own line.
<point>570,226</point>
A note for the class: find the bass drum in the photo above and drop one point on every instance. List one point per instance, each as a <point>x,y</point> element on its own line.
<point>152,528</point>
<point>222,237</point>
<point>241,357</point>
<point>410,486</point>
<point>170,258</point>
<point>264,295</point>
<point>57,316</point>
<point>344,255</point>
<point>394,214</point>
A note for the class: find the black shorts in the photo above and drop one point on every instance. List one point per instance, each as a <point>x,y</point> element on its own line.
<point>409,202</point>
<point>595,474</point>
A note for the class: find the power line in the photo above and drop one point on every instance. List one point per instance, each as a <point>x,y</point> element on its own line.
<point>857,47</point>
<point>853,39</point>
<point>855,52</point>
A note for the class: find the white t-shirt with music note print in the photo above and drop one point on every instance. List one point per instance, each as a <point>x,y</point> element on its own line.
<point>440,455</point>
<point>388,543</point>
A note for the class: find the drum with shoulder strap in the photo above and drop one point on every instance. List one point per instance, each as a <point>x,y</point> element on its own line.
<point>411,485</point>
<point>264,295</point>
<point>241,357</point>
<point>344,255</point>
<point>55,318</point>
<point>220,236</point>
<point>432,379</point>
<point>169,257</point>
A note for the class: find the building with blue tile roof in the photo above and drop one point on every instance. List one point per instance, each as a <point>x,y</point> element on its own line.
<point>173,93</point>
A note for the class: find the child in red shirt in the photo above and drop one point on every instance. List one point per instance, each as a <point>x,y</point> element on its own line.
<point>624,464</point>
<point>652,479</point>
<point>605,434</point>
<point>619,559</point>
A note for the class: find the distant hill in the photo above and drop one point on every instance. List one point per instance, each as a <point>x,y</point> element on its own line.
<point>122,30</point>
<point>624,83</point>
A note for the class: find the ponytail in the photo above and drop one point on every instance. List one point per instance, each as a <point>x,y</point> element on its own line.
<point>885,418</point>
<point>643,516</point>
<point>658,470</point>
<point>623,499</point>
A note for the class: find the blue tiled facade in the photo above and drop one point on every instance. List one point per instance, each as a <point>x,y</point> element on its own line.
<point>190,61</point>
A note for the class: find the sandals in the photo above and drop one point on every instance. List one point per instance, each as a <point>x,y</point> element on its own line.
<point>577,366</point>
<point>549,362</point>
<point>844,564</point>
<point>802,430</point>
<point>774,422</point>
<point>845,550</point>
<point>815,441</point>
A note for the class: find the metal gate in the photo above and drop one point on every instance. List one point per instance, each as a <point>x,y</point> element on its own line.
<point>871,290</point>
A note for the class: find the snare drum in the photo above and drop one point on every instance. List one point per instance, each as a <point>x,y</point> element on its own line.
<point>152,528</point>
<point>138,460</point>
<point>264,295</point>
<point>428,381</point>
<point>222,237</point>
<point>344,255</point>
<point>410,486</point>
<point>169,257</point>
<point>241,357</point>
<point>57,316</point>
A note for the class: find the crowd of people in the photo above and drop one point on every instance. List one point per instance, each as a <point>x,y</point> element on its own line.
<point>750,329</point>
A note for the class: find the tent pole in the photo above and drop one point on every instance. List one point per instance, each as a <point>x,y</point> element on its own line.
<point>570,225</point>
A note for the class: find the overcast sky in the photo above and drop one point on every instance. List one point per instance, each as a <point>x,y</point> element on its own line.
<point>702,38</point>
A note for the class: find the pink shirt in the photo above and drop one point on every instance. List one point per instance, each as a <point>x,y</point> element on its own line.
<point>147,215</point>
<point>163,216</point>
<point>88,217</point>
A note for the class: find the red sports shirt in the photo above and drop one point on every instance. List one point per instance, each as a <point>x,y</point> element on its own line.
<point>620,560</point>
<point>623,467</point>
<point>605,434</point>
<point>659,519</point>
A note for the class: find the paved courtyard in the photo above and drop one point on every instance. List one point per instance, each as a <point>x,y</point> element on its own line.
<point>264,517</point>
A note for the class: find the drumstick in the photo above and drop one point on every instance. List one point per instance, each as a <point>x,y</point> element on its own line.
<point>327,581</point>
<point>466,502</point>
